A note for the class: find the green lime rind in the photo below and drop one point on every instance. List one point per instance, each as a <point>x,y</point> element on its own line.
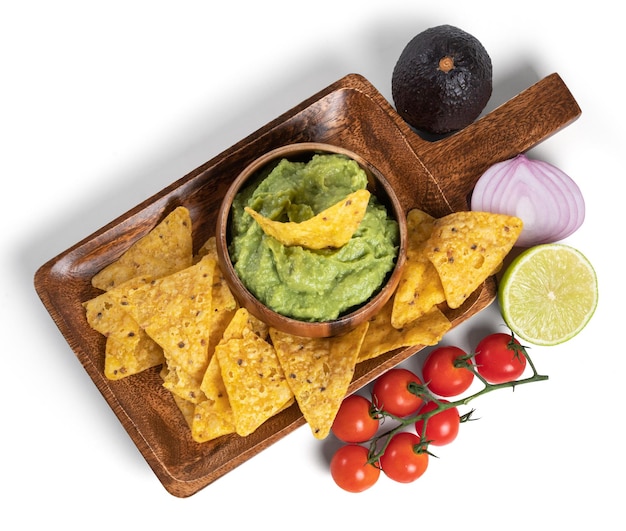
<point>548,294</point>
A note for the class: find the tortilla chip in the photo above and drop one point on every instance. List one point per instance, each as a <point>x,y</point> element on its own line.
<point>260,328</point>
<point>215,415</point>
<point>212,382</point>
<point>319,371</point>
<point>468,247</point>
<point>183,383</point>
<point>209,247</point>
<point>125,356</point>
<point>333,227</point>
<point>254,380</point>
<point>167,248</point>
<point>223,308</point>
<point>243,321</point>
<point>211,420</point>
<point>223,302</point>
<point>382,337</point>
<point>186,407</point>
<point>419,227</point>
<point>212,417</point>
<point>419,288</point>
<point>176,312</point>
<point>128,350</point>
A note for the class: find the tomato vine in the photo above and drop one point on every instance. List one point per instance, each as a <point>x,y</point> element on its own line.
<point>379,443</point>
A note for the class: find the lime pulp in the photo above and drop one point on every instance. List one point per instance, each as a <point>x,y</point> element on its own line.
<point>548,294</point>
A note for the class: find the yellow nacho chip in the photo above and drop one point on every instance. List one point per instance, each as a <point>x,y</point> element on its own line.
<point>223,302</point>
<point>468,247</point>
<point>209,247</point>
<point>419,288</point>
<point>243,321</point>
<point>333,227</point>
<point>211,420</point>
<point>165,249</point>
<point>254,380</point>
<point>319,371</point>
<point>212,417</point>
<point>186,407</point>
<point>382,337</point>
<point>125,356</point>
<point>128,349</point>
<point>184,384</point>
<point>419,227</point>
<point>176,312</point>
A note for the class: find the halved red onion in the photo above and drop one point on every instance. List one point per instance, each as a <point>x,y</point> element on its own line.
<point>546,199</point>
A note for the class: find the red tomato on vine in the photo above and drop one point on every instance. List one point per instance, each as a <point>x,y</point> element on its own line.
<point>391,392</point>
<point>445,371</point>
<point>350,469</point>
<point>404,459</point>
<point>500,358</point>
<point>354,422</point>
<point>441,428</point>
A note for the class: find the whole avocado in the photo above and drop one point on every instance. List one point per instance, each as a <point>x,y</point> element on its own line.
<point>442,80</point>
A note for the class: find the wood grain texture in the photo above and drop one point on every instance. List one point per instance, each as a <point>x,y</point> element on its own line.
<point>435,176</point>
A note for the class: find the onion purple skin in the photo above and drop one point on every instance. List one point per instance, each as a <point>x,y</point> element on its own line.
<point>547,200</point>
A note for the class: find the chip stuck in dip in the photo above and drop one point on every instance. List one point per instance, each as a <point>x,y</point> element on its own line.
<point>297,281</point>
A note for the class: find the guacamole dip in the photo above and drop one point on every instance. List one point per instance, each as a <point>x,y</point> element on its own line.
<point>302,283</point>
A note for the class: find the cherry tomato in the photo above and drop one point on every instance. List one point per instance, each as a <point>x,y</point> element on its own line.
<point>391,392</point>
<point>350,469</point>
<point>497,360</point>
<point>354,422</point>
<point>402,460</point>
<point>443,427</point>
<point>442,376</point>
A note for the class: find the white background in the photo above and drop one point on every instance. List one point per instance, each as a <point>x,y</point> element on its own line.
<point>103,104</point>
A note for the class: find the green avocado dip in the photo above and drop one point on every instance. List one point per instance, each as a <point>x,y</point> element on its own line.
<point>302,283</point>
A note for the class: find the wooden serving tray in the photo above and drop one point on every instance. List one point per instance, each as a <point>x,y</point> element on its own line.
<point>435,176</point>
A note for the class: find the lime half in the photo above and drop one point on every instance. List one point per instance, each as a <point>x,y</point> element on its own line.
<point>548,293</point>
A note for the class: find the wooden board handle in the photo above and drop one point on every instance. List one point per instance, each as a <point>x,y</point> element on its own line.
<point>458,161</point>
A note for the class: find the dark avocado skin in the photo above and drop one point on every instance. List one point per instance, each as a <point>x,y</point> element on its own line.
<point>435,101</point>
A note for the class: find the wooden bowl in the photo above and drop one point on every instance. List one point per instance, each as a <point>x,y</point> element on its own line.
<point>378,185</point>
